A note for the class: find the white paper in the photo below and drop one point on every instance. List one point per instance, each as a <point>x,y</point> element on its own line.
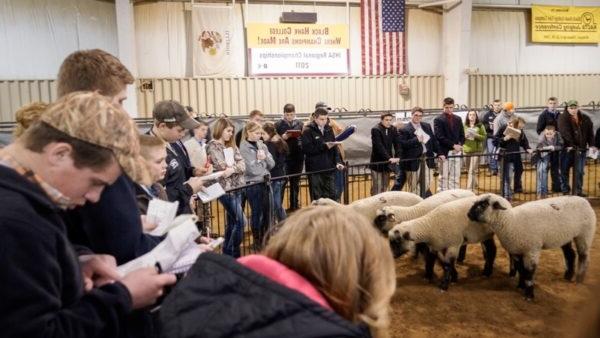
<point>213,176</point>
<point>420,132</point>
<point>211,192</point>
<point>229,159</point>
<point>167,252</point>
<point>592,153</point>
<point>161,213</point>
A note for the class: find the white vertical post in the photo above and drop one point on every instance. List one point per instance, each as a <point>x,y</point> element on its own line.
<point>456,37</point>
<point>126,42</point>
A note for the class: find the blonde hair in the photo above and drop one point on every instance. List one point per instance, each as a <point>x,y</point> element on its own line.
<point>148,142</point>
<point>250,127</point>
<point>344,257</point>
<point>218,129</point>
<point>27,115</point>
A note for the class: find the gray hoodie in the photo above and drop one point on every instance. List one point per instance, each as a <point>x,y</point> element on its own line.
<point>255,169</point>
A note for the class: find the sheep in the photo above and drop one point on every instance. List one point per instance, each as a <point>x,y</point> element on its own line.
<point>368,206</point>
<point>444,230</point>
<point>524,231</point>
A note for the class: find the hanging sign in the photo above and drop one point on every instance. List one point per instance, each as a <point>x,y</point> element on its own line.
<point>565,24</point>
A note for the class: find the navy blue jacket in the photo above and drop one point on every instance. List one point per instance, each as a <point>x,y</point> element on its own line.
<point>113,225</point>
<point>175,178</point>
<point>547,118</point>
<point>447,137</point>
<point>318,156</point>
<point>413,149</point>
<point>488,123</point>
<point>41,287</point>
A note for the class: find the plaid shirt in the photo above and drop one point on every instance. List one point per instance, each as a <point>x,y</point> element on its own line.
<point>55,196</point>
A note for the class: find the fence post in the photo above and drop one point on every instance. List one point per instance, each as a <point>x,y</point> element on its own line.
<point>575,171</point>
<point>422,168</point>
<point>502,155</point>
<point>346,184</point>
<point>270,215</point>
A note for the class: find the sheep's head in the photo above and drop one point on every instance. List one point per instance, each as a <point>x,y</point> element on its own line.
<point>486,208</point>
<point>400,240</point>
<point>383,219</point>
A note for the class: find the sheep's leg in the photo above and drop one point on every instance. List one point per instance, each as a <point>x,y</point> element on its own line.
<point>489,254</point>
<point>462,253</point>
<point>512,265</point>
<point>582,264</point>
<point>518,266</point>
<point>448,258</point>
<point>430,258</point>
<point>448,266</point>
<point>569,260</point>
<point>530,262</point>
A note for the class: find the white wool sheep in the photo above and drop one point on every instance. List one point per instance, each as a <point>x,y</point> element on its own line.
<point>390,215</point>
<point>444,230</point>
<point>527,229</point>
<point>368,206</point>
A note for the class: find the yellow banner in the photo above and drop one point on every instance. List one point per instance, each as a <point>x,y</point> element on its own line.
<point>565,24</point>
<point>264,35</point>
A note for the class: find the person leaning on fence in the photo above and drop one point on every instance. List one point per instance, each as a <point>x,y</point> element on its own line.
<point>450,136</point>
<point>577,131</point>
<point>488,123</point>
<point>508,111</point>
<point>549,143</point>
<point>295,287</point>
<point>294,162</point>
<point>233,177</point>
<point>413,144</point>
<point>279,151</point>
<point>321,154</point>
<point>259,162</point>
<point>154,152</point>
<point>475,135</point>
<point>81,144</point>
<point>383,149</point>
<point>549,116</point>
<point>510,143</point>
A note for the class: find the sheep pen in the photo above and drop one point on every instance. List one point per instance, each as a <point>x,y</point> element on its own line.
<point>492,307</point>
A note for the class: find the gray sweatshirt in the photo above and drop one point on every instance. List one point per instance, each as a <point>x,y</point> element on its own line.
<point>255,169</point>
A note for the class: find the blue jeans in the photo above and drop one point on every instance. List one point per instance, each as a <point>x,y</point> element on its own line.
<point>567,161</point>
<point>277,187</point>
<point>258,198</point>
<point>508,174</point>
<point>542,175</point>
<point>339,184</point>
<point>490,149</point>
<point>234,229</point>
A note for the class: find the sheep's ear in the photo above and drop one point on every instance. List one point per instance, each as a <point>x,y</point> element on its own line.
<point>406,236</point>
<point>498,206</point>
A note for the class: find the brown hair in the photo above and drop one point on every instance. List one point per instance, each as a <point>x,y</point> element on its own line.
<point>385,114</point>
<point>27,115</point>
<point>92,70</point>
<point>280,145</point>
<point>448,100</point>
<point>222,124</point>
<point>148,142</point>
<point>316,241</point>
<point>85,154</point>
<point>256,112</point>
<point>250,126</point>
<point>416,109</point>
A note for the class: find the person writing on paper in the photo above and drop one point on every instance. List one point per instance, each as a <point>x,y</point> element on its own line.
<point>295,159</point>
<point>258,162</point>
<point>383,137</point>
<point>508,111</point>
<point>170,123</point>
<point>321,153</point>
<point>154,152</point>
<point>81,144</point>
<point>450,136</point>
<point>474,137</point>
<point>416,139</point>
<point>299,286</point>
<point>510,139</point>
<point>225,156</point>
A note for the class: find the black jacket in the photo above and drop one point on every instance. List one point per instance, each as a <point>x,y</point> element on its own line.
<point>447,137</point>
<point>41,287</point>
<point>175,178</point>
<point>318,156</point>
<point>221,298</point>
<point>113,225</point>
<point>547,118</point>
<point>580,136</point>
<point>413,149</point>
<point>279,158</point>
<point>512,145</point>
<point>295,156</point>
<point>488,122</point>
<point>384,146</point>
<point>597,138</point>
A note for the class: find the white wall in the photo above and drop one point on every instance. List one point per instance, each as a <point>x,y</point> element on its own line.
<point>36,35</point>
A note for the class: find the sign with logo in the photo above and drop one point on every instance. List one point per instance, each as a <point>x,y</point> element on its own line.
<point>212,28</point>
<point>565,24</point>
<point>297,49</point>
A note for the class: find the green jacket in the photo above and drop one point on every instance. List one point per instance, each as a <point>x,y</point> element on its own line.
<point>476,145</point>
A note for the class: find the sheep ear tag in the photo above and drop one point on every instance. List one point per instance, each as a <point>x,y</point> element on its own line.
<point>497,206</point>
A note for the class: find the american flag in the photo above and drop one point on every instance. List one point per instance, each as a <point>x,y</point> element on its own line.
<point>382,37</point>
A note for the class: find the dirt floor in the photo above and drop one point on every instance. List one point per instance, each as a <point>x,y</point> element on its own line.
<point>492,307</point>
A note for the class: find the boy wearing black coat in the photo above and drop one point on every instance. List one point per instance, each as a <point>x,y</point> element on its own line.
<point>383,137</point>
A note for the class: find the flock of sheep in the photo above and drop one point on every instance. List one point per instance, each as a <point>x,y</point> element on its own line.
<point>439,227</point>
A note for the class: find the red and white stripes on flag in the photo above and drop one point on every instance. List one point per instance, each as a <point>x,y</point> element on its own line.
<point>382,37</point>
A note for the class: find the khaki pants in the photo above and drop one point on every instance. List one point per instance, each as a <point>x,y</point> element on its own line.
<point>472,164</point>
<point>412,180</point>
<point>450,174</point>
<point>380,181</point>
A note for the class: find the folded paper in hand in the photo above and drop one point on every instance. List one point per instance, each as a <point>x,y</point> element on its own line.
<point>162,213</point>
<point>592,153</point>
<point>346,133</point>
<point>214,176</point>
<point>513,133</point>
<point>229,159</point>
<point>211,192</point>
<point>472,132</point>
<point>420,132</point>
<point>179,240</point>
